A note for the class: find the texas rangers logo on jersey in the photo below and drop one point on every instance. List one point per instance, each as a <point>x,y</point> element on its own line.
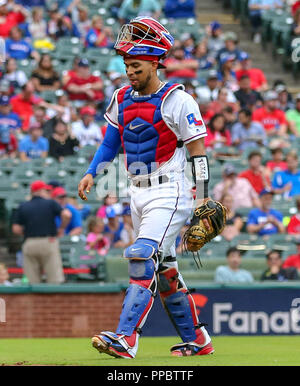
<point>192,120</point>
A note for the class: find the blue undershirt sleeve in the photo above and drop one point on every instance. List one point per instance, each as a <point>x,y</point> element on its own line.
<point>106,151</point>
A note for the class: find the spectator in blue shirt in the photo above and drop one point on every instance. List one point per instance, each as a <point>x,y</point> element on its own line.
<point>31,3</point>
<point>230,48</point>
<point>176,9</point>
<point>247,134</point>
<point>33,145</point>
<point>74,227</point>
<point>17,47</point>
<point>265,220</point>
<point>232,273</point>
<point>8,118</point>
<point>99,35</point>
<point>287,182</point>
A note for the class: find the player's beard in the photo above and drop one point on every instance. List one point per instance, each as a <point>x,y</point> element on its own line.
<point>142,85</point>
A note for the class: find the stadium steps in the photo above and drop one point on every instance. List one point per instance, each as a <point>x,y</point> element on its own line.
<point>210,10</point>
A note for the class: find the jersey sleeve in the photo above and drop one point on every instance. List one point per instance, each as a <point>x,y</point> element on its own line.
<point>181,113</point>
<point>111,114</point>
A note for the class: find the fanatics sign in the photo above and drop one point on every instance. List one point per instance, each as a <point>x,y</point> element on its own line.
<point>237,311</point>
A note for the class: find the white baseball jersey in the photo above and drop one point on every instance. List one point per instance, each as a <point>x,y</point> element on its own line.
<point>160,211</point>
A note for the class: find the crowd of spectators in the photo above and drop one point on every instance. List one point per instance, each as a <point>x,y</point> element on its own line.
<point>241,110</point>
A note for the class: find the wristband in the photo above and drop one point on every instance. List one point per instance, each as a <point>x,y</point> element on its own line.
<point>200,170</point>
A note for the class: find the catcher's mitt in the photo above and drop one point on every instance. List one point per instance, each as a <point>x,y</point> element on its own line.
<point>197,234</point>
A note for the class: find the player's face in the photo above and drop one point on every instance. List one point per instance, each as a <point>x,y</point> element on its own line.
<point>139,73</point>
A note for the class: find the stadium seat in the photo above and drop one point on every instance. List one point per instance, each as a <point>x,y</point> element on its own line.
<point>82,258</point>
<point>116,269</point>
<point>281,241</point>
<point>280,32</point>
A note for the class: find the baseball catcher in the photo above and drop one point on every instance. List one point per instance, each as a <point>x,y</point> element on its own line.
<point>156,122</point>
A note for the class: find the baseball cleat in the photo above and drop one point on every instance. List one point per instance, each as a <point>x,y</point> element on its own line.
<point>190,349</point>
<point>114,345</point>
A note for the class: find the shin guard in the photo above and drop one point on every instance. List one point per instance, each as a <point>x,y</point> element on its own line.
<point>140,293</point>
<point>180,306</point>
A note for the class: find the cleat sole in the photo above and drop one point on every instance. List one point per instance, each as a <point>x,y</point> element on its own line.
<point>104,348</point>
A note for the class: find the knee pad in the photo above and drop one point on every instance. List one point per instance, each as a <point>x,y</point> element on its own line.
<point>143,262</point>
<point>168,281</point>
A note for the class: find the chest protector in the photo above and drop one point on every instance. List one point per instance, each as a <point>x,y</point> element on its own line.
<point>147,140</point>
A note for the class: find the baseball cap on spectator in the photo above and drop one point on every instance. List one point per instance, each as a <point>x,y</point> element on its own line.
<point>230,35</point>
<point>110,212</point>
<point>227,58</point>
<point>280,88</point>
<point>115,75</point>
<point>297,97</point>
<point>3,2</point>
<point>265,191</point>
<point>38,185</point>
<point>33,126</point>
<point>229,169</point>
<point>83,63</point>
<point>4,85</point>
<point>54,184</point>
<point>58,192</point>
<point>87,110</point>
<point>4,100</point>
<point>185,36</point>
<point>244,56</point>
<point>212,74</point>
<point>270,95</point>
<point>214,25</point>
<point>202,98</point>
<point>53,7</point>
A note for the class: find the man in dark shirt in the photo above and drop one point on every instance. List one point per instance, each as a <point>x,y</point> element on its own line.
<point>35,220</point>
<point>247,97</point>
<point>275,270</point>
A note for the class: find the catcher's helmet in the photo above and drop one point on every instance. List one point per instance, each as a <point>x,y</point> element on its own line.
<point>144,36</point>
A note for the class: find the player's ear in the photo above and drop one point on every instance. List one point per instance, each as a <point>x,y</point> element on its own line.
<point>154,66</point>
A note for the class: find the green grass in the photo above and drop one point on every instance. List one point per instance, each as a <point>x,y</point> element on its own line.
<point>229,351</point>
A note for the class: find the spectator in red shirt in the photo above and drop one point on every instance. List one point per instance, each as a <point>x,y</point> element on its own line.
<point>272,118</point>
<point>10,18</point>
<point>23,103</point>
<point>205,107</point>
<point>295,7</point>
<point>83,86</point>
<point>293,260</point>
<point>258,81</point>
<point>67,75</point>
<point>256,174</point>
<point>293,227</point>
<point>217,134</point>
<point>178,67</point>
